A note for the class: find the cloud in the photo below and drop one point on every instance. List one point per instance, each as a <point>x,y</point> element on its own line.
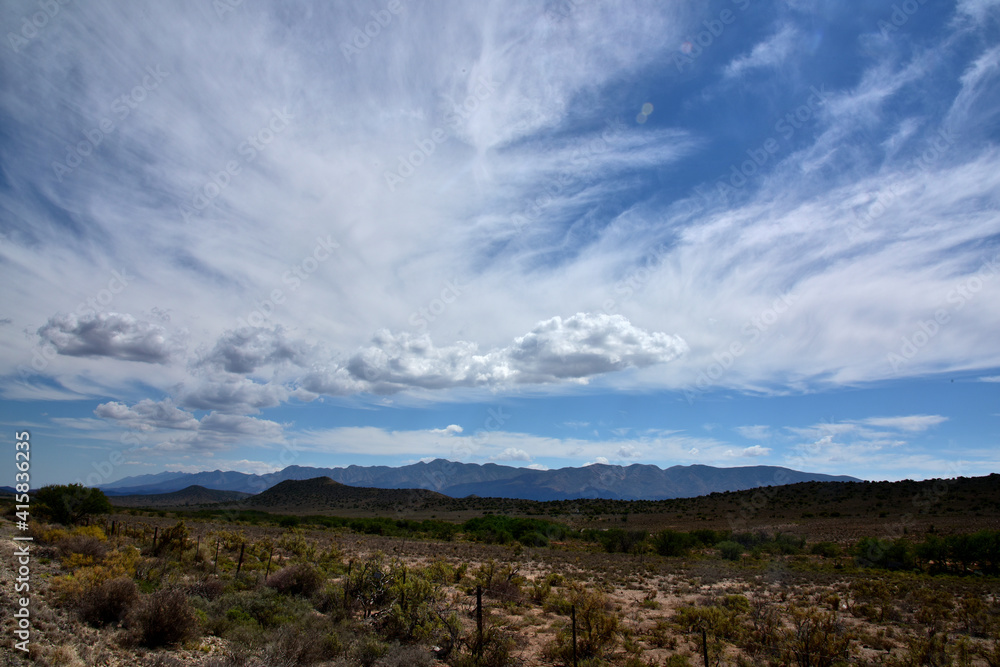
<point>772,52</point>
<point>990,378</point>
<point>451,429</point>
<point>753,451</point>
<point>598,460</point>
<point>148,414</point>
<point>555,350</point>
<point>978,9</point>
<point>911,423</point>
<point>512,454</point>
<point>162,426</point>
<point>232,394</point>
<point>756,432</point>
<point>248,349</point>
<point>113,335</point>
<point>629,452</point>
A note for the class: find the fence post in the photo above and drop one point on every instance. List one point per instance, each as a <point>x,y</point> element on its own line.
<point>704,645</point>
<point>479,621</point>
<point>269,554</point>
<point>239,565</point>
<point>215,566</point>
<point>572,614</point>
<point>155,531</point>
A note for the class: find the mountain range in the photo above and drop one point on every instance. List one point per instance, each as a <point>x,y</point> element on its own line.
<point>459,480</point>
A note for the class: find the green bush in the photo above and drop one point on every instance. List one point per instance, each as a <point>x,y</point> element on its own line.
<point>597,627</point>
<point>71,503</point>
<point>826,549</point>
<point>672,543</point>
<point>730,550</point>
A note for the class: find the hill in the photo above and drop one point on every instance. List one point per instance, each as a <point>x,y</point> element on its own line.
<point>192,495</point>
<point>322,494</point>
<point>455,479</point>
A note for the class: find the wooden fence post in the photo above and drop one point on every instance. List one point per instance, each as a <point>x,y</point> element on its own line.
<point>479,621</point>
<point>239,565</point>
<point>572,612</point>
<point>704,645</point>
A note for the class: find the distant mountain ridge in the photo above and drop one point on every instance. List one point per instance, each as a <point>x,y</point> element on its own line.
<point>322,493</point>
<point>191,495</point>
<point>455,479</point>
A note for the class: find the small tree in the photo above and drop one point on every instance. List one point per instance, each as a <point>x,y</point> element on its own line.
<point>72,503</point>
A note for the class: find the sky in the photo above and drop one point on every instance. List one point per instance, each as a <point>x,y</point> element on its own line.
<point>242,235</point>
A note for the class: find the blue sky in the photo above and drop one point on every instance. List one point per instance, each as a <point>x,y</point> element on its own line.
<point>244,235</point>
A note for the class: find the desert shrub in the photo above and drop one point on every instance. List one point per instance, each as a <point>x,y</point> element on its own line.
<point>368,583</point>
<point>301,579</point>
<point>760,638</point>
<point>368,650</point>
<point>262,607</point>
<point>439,571</point>
<point>108,602</point>
<point>672,543</point>
<point>931,606</point>
<point>119,563</point>
<point>872,599</point>
<point>597,627</point>
<point>707,537</point>
<point>406,656</point>
<point>816,639</point>
<point>209,589</point>
<point>719,621</point>
<point>412,615</point>
<point>729,549</point>
<point>973,616</point>
<point>499,581</point>
<point>783,543</point>
<point>162,619</point>
<point>662,635</point>
<point>89,542</point>
<point>497,650</point>
<point>171,539</point>
<point>304,643</point>
<point>678,660</point>
<point>825,549</point>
